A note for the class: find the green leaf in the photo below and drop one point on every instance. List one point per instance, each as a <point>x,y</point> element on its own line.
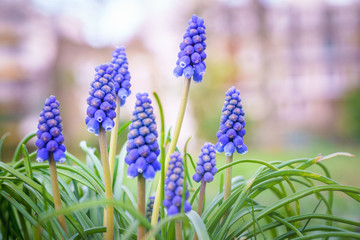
<point>90,152</point>
<point>199,225</point>
<point>89,231</point>
<point>1,142</point>
<point>18,148</point>
<point>27,162</point>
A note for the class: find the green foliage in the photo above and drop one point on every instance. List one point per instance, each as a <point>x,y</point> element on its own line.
<point>27,204</point>
<point>351,114</point>
<point>268,205</point>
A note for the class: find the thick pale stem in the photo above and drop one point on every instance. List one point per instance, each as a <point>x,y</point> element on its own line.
<point>113,139</point>
<point>201,197</point>
<point>109,212</point>
<point>55,190</point>
<point>141,205</point>
<point>178,230</point>
<point>175,137</point>
<point>201,200</point>
<point>227,189</point>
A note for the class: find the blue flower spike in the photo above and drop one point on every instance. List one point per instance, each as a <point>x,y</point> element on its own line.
<point>206,164</point>
<point>49,137</point>
<point>192,54</point>
<point>142,147</point>
<point>232,125</point>
<point>101,109</point>
<point>174,186</point>
<point>149,208</point>
<point>121,74</point>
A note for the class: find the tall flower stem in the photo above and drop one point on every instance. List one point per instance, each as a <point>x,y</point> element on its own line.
<point>178,230</point>
<point>109,212</point>
<point>141,205</point>
<point>180,118</point>
<point>162,160</point>
<point>201,200</point>
<point>227,189</point>
<point>55,189</point>
<point>113,139</point>
<point>201,197</point>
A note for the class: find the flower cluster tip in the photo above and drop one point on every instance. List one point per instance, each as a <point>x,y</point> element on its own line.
<point>206,164</point>
<point>174,186</point>
<point>49,137</point>
<point>192,54</point>
<point>232,125</point>
<point>121,74</point>
<point>142,146</point>
<point>101,109</point>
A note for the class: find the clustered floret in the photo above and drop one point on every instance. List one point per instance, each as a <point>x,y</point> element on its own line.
<point>192,51</point>
<point>206,164</point>
<point>121,74</point>
<point>101,109</point>
<point>149,207</point>
<point>174,186</point>
<point>50,139</point>
<point>232,125</point>
<point>142,147</point>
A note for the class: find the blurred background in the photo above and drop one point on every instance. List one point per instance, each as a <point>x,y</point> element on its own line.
<point>296,63</point>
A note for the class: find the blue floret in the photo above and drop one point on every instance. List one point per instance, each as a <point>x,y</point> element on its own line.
<point>192,54</point>
<point>100,112</point>
<point>121,74</point>
<point>49,137</point>
<point>206,164</point>
<point>174,186</point>
<point>232,125</point>
<point>143,148</point>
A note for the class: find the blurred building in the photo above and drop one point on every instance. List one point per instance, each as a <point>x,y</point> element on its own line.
<point>292,61</point>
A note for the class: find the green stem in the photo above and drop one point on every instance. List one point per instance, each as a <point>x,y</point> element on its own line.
<point>109,212</point>
<point>141,205</point>
<point>55,189</point>
<point>178,230</point>
<point>201,200</point>
<point>201,197</point>
<point>162,161</point>
<point>113,139</point>
<point>227,189</point>
<point>180,117</point>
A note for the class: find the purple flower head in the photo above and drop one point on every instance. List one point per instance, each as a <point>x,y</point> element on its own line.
<point>174,186</point>
<point>101,109</point>
<point>149,208</point>
<point>142,147</point>
<point>121,74</point>
<point>192,54</point>
<point>206,163</point>
<point>49,137</point>
<point>232,125</point>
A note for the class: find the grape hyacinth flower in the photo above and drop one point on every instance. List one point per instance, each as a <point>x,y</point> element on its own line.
<point>191,64</point>
<point>174,186</point>
<point>206,163</point>
<point>121,79</point>
<point>121,74</point>
<point>101,109</point>
<point>232,125</point>
<point>192,51</point>
<point>50,147</point>
<point>100,115</point>
<point>142,147</point>
<point>149,207</point>
<point>50,139</point>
